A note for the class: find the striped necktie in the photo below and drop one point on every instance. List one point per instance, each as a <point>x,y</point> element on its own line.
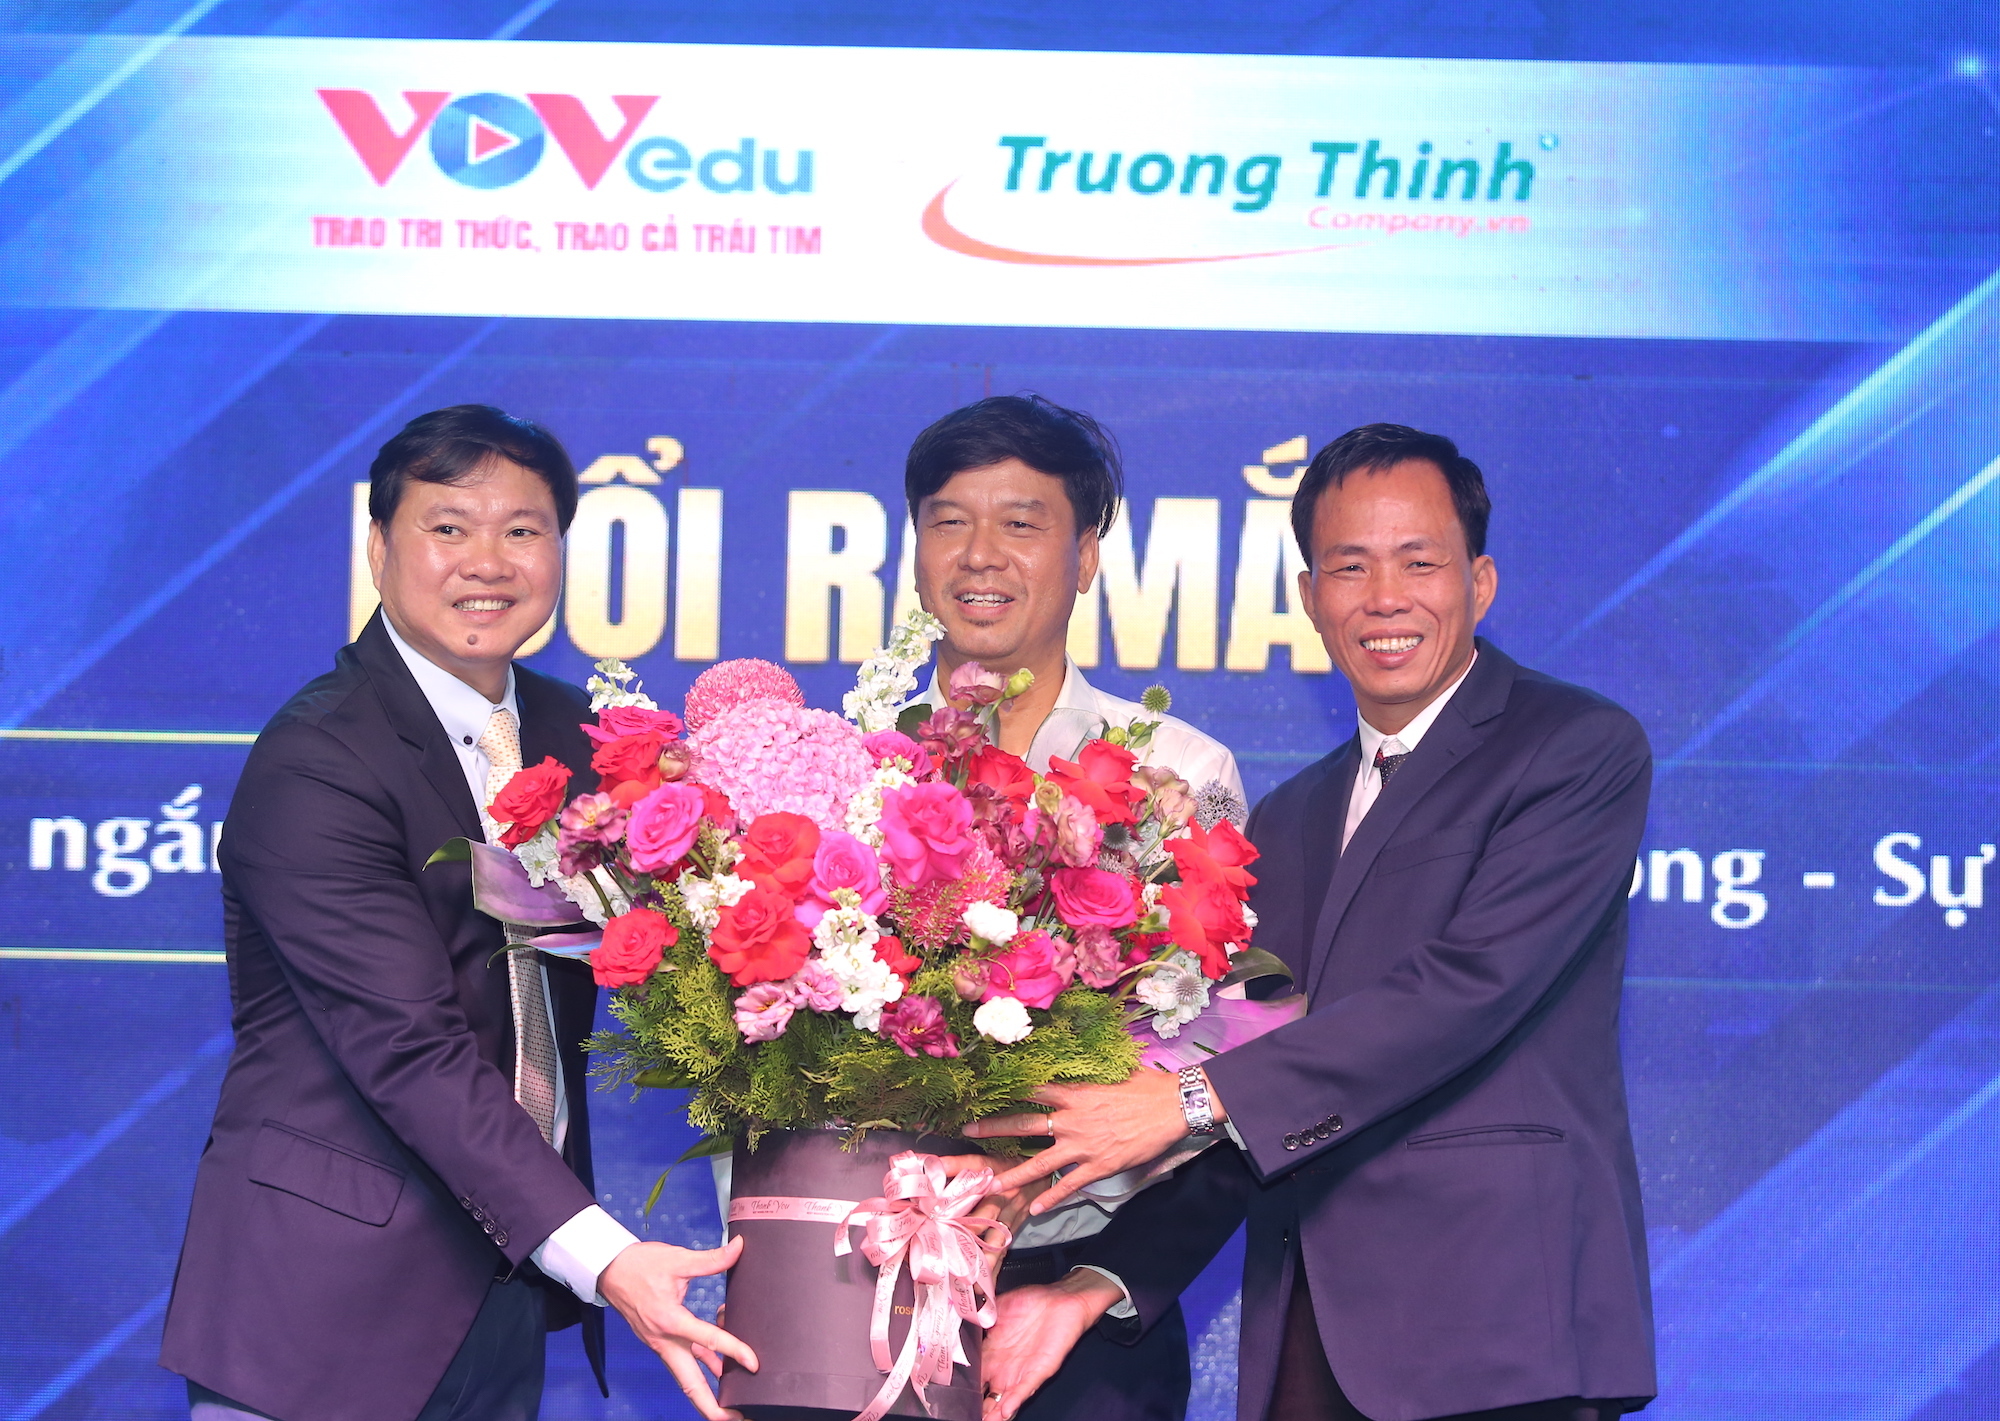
<point>535,1064</point>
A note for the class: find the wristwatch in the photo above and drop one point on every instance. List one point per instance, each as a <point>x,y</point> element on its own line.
<point>1194,1102</point>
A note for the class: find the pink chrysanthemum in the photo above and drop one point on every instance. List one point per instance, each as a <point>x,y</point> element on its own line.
<point>930,915</point>
<point>770,757</point>
<point>729,684</point>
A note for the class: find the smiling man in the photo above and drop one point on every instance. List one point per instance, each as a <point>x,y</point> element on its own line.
<point>1010,497</point>
<point>1434,1163</point>
<point>395,1201</point>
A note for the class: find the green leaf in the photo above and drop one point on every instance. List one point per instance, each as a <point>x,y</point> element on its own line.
<point>1252,963</point>
<point>701,1149</point>
<point>452,851</point>
<point>664,1078</point>
<point>912,717</point>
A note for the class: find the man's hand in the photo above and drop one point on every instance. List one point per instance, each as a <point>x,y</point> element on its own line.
<point>1100,1129</point>
<point>1037,1327</point>
<point>647,1283</point>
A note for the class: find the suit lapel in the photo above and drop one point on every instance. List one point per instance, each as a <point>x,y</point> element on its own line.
<point>1458,730</point>
<point>417,725</point>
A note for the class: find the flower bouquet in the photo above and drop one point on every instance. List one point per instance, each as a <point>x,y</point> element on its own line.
<point>847,937</point>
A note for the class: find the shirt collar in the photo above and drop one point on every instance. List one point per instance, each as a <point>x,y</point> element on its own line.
<point>1372,739</point>
<point>462,711</point>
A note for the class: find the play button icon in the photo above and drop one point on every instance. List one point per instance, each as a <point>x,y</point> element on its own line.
<point>487,140</point>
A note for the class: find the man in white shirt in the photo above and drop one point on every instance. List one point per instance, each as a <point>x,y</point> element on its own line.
<point>1009,498</point>
<point>395,1202</point>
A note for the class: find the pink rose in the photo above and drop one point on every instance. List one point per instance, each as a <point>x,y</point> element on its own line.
<point>663,827</point>
<point>1035,968</point>
<point>842,861</point>
<point>1091,897</point>
<point>973,684</point>
<point>926,833</point>
<point>886,745</point>
<point>615,722</point>
<point>765,1010</point>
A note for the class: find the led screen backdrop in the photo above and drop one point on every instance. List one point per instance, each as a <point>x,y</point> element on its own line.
<point>1716,312</point>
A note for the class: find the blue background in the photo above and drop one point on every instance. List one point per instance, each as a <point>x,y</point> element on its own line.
<point>1781,557</point>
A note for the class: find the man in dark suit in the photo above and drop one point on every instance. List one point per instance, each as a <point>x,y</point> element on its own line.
<point>1435,1163</point>
<point>395,1200</point>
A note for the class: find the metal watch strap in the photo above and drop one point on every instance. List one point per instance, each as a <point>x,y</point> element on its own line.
<point>1194,1102</point>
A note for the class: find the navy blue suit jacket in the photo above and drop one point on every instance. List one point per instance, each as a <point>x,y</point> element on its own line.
<point>369,1173</point>
<point>1443,1137</point>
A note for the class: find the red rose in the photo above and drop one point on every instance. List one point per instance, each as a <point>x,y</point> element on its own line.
<point>889,950</point>
<point>1205,918</point>
<point>717,808</point>
<point>614,722</point>
<point>1087,897</point>
<point>1219,853</point>
<point>1009,775</point>
<point>530,800</point>
<point>778,848</point>
<point>1102,778</point>
<point>627,759</point>
<point>631,948</point>
<point>760,939</point>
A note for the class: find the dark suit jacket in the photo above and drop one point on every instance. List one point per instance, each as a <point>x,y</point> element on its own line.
<point>1443,1138</point>
<point>369,1173</point>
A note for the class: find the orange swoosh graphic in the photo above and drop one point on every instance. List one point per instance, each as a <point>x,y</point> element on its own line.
<point>939,229</point>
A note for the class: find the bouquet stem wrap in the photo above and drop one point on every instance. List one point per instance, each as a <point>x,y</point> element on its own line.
<point>921,1221</point>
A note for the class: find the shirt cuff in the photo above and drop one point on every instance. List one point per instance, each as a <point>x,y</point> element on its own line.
<point>1123,1307</point>
<point>575,1254</point>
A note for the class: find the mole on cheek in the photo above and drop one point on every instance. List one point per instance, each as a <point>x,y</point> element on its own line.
<point>472,640</point>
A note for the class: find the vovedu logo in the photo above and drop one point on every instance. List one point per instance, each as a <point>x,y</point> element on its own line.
<point>490,141</point>
<point>1461,193</point>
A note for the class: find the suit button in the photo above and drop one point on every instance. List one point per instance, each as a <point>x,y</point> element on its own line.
<point>1333,1123</point>
<point>1320,1132</point>
<point>488,1227</point>
<point>500,1239</point>
<point>1291,1142</point>
<point>465,1203</point>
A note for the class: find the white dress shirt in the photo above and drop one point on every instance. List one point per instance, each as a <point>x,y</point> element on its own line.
<point>1368,783</point>
<point>581,1249</point>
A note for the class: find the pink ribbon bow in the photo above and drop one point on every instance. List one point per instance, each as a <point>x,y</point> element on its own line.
<point>921,1220</point>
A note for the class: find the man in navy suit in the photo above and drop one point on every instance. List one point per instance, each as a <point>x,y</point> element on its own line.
<point>395,1200</point>
<point>1435,1163</point>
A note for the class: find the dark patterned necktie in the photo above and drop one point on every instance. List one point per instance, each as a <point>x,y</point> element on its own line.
<point>1387,765</point>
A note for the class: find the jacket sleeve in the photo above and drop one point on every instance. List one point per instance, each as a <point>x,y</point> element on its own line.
<point>315,852</point>
<point>1159,1242</point>
<point>1553,869</point>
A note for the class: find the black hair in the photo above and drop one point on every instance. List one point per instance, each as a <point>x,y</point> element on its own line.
<point>1380,446</point>
<point>1062,443</point>
<point>449,446</point>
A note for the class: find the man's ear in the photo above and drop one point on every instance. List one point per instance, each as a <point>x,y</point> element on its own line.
<point>1306,600</point>
<point>1485,586</point>
<point>1087,551</point>
<point>378,550</point>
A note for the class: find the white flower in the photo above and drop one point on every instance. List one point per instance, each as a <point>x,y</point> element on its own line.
<point>707,897</point>
<point>887,677</point>
<point>1149,895</point>
<point>992,922</point>
<point>582,890</point>
<point>538,855</point>
<point>1003,1019</point>
<point>1176,991</point>
<point>607,688</point>
<point>1249,919</point>
<point>846,939</point>
<point>864,810</point>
